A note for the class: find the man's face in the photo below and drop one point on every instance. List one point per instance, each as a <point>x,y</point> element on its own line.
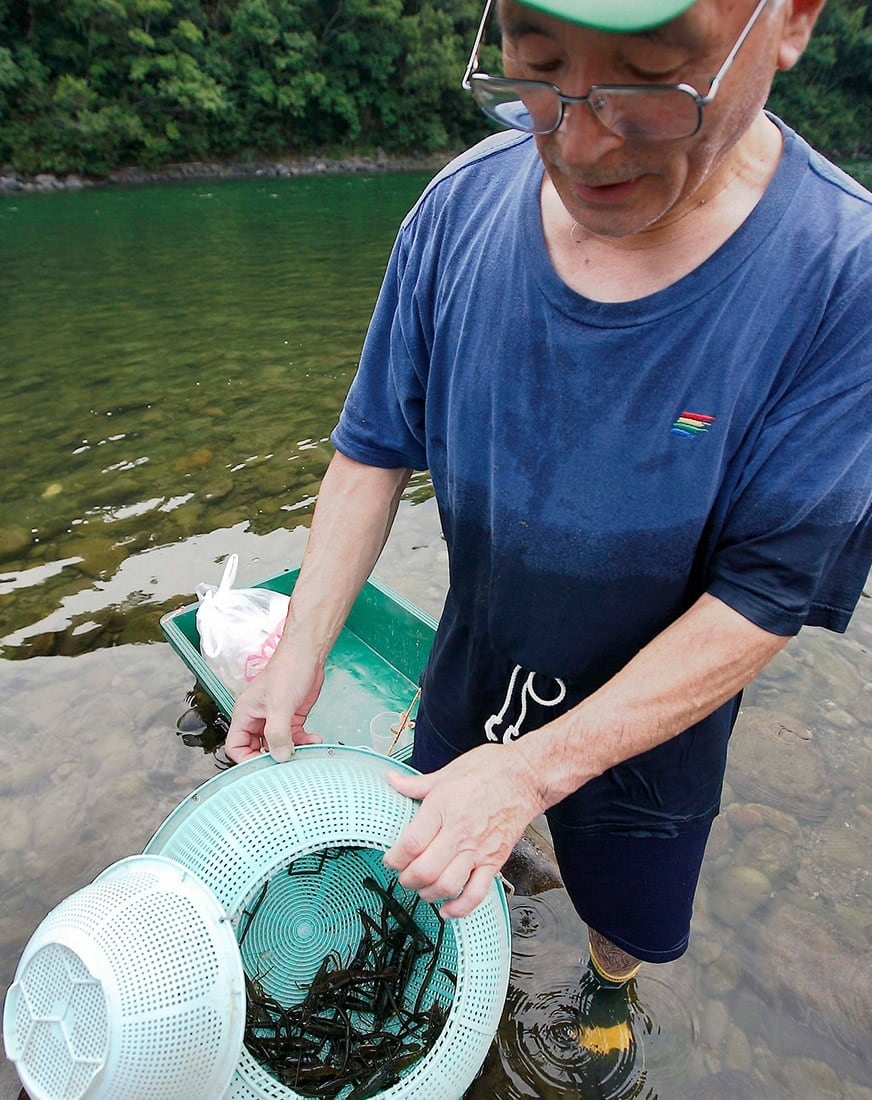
<point>617,187</point>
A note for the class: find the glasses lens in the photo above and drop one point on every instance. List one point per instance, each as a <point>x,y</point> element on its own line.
<point>521,105</point>
<point>647,114</point>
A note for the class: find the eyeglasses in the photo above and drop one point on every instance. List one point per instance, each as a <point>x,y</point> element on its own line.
<point>639,112</point>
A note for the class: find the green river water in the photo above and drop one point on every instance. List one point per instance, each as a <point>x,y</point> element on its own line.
<point>173,360</point>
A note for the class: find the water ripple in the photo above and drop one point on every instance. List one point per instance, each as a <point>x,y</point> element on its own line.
<point>542,1058</point>
<point>538,1045</point>
<point>536,923</point>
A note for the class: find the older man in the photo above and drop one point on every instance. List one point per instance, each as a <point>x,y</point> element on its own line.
<point>629,340</point>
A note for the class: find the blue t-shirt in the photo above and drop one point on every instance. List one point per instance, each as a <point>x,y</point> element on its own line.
<point>598,466</point>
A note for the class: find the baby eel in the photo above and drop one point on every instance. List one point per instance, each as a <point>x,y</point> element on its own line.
<point>397,911</point>
<point>355,1027</point>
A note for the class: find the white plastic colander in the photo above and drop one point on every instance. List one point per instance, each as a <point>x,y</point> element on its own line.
<point>130,989</point>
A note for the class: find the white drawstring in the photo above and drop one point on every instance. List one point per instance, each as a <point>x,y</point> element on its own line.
<point>514,730</point>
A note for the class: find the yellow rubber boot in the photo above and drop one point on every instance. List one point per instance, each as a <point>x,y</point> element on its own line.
<point>604,1012</point>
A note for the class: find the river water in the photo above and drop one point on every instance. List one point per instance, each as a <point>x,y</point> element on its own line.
<point>173,360</point>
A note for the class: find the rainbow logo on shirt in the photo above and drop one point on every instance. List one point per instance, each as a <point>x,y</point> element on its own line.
<point>691,424</point>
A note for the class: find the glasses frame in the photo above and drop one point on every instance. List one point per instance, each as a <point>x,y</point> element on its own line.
<point>472,73</point>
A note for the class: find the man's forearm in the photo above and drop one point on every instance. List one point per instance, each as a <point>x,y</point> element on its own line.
<point>688,671</point>
<point>356,508</point>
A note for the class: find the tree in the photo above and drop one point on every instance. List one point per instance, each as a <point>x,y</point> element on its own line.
<point>828,95</point>
<point>91,85</point>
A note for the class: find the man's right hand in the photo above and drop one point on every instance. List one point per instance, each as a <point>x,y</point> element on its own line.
<point>269,714</point>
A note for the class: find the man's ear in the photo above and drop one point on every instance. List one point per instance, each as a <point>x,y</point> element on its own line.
<point>798,21</point>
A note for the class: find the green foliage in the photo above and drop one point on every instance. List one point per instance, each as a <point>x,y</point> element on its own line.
<point>90,85</point>
<point>828,96</point>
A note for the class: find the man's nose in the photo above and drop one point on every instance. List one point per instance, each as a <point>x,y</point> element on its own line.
<point>582,137</point>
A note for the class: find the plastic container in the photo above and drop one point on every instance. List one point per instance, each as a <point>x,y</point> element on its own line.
<point>390,735</point>
<point>132,987</point>
<point>374,666</point>
<point>248,827</point>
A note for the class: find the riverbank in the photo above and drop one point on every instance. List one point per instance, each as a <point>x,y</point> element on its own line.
<point>313,165</point>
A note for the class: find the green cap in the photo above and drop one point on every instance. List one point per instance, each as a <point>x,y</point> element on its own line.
<point>622,16</point>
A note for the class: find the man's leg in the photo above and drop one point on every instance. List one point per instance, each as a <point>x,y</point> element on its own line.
<point>634,893</point>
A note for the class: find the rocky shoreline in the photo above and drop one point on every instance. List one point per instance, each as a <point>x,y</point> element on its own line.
<point>314,165</point>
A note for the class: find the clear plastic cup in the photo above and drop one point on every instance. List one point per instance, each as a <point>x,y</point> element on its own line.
<point>383,732</point>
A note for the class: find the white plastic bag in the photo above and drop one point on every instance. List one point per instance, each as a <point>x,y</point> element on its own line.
<point>239,628</point>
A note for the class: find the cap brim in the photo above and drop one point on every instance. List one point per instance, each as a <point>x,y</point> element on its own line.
<point>621,16</point>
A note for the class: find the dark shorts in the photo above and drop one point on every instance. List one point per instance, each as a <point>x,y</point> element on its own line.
<point>635,890</point>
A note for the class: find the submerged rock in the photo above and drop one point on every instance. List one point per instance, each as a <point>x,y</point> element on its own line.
<point>13,542</point>
<point>730,1085</point>
<point>769,851</point>
<point>806,1076</point>
<point>806,961</point>
<point>532,868</point>
<point>774,759</point>
<point>835,862</point>
<point>738,891</point>
<point>745,816</point>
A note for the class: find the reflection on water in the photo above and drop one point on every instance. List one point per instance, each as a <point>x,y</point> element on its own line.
<point>549,1048</point>
<point>173,362</point>
<point>559,1038</point>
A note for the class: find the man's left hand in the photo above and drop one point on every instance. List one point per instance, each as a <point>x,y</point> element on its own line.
<point>473,812</point>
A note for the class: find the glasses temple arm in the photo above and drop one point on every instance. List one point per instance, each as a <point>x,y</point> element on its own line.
<point>731,56</point>
<point>472,64</point>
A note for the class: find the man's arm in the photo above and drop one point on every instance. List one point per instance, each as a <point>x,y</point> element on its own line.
<point>475,809</point>
<point>694,666</point>
<point>356,508</point>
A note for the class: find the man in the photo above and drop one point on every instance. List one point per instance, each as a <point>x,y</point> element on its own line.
<point>630,342</point>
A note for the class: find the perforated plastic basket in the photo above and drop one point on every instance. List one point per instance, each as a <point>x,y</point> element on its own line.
<point>247,826</point>
<point>130,988</point>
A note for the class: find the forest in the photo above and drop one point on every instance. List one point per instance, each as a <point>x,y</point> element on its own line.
<point>88,86</point>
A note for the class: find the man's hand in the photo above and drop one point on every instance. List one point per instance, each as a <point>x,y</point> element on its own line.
<point>355,498</point>
<point>472,814</point>
<point>269,714</point>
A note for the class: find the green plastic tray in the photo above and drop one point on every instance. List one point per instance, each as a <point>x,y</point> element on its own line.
<point>374,666</point>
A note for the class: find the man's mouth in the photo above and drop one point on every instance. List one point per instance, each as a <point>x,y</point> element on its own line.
<point>605,192</point>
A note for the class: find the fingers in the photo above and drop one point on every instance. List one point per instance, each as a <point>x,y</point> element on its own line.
<point>269,714</point>
<point>452,882</point>
<point>420,852</point>
<point>472,813</point>
<point>427,863</point>
<point>303,737</point>
<point>437,875</point>
<point>412,786</point>
<point>473,894</point>
<point>241,752</point>
<point>277,733</point>
<point>242,744</point>
<point>438,858</point>
<point>245,736</point>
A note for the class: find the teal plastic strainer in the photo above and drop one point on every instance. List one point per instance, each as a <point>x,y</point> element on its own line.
<point>243,830</point>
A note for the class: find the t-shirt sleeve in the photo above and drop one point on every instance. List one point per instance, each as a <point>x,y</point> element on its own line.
<point>796,546</point>
<point>382,420</point>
